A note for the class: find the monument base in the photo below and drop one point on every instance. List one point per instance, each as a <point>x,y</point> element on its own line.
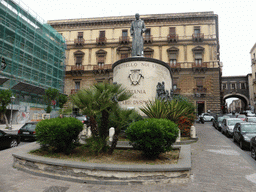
<point>141,76</point>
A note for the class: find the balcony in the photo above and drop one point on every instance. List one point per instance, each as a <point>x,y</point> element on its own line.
<point>99,69</point>
<point>101,40</point>
<point>199,67</point>
<point>175,67</point>
<point>74,91</point>
<point>79,42</point>
<point>148,39</point>
<point>77,70</point>
<point>176,91</point>
<point>197,37</point>
<point>199,92</point>
<point>172,38</point>
<point>124,39</point>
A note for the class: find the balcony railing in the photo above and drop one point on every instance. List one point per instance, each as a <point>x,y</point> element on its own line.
<point>77,68</point>
<point>197,65</point>
<point>175,66</point>
<point>103,67</point>
<point>74,91</point>
<point>148,39</point>
<point>124,39</point>
<point>79,42</point>
<point>101,40</point>
<point>198,37</point>
<point>172,38</point>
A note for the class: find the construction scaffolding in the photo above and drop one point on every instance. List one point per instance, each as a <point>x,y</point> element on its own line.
<point>33,51</point>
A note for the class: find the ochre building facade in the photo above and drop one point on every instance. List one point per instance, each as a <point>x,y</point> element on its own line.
<point>188,42</point>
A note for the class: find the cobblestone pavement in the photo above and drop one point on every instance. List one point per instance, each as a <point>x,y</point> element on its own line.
<point>217,165</point>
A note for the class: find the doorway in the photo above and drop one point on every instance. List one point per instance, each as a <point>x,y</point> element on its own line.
<point>200,107</point>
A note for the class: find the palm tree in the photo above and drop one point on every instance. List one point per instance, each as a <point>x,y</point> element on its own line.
<point>100,99</point>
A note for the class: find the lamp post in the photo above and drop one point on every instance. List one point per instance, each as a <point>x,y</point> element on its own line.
<point>12,99</point>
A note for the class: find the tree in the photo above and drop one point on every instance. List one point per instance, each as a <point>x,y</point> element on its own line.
<point>50,95</point>
<point>62,100</point>
<point>100,99</point>
<point>5,100</point>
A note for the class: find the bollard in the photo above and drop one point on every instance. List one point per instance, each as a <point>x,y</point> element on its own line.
<point>193,131</point>
<point>111,133</point>
<point>178,138</point>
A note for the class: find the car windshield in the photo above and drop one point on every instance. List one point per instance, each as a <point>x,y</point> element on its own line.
<point>249,128</point>
<point>233,122</point>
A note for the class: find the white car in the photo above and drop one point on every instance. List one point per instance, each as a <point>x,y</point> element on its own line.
<point>207,117</point>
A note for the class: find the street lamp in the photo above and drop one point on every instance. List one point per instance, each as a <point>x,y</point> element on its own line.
<point>12,100</point>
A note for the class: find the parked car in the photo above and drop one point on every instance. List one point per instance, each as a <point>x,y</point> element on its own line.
<point>253,147</point>
<point>217,122</point>
<point>83,118</point>
<point>228,124</point>
<point>250,119</point>
<point>207,117</point>
<point>8,140</point>
<point>241,116</point>
<point>243,132</point>
<point>27,131</point>
<point>250,114</point>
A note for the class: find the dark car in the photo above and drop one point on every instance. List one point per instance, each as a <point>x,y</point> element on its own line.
<point>243,132</point>
<point>8,140</point>
<point>27,131</point>
<point>253,147</point>
<point>217,122</point>
<point>83,118</point>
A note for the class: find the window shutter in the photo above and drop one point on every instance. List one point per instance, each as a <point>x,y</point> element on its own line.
<point>78,59</point>
<point>173,56</point>
<point>102,33</point>
<point>198,55</point>
<point>100,59</point>
<point>80,35</point>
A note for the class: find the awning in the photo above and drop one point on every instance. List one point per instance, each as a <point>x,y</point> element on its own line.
<point>21,86</point>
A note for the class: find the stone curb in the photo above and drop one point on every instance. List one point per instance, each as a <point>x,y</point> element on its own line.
<point>181,169</point>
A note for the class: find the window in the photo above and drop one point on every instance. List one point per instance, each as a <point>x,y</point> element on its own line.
<point>79,60</point>
<point>173,59</point>
<point>175,83</point>
<point>80,35</point>
<point>101,56</point>
<point>233,85</point>
<point>102,34</point>
<point>196,30</point>
<point>77,85</point>
<point>124,33</point>
<point>198,58</point>
<point>243,85</point>
<point>147,32</point>
<point>101,61</point>
<point>124,55</point>
<point>224,86</point>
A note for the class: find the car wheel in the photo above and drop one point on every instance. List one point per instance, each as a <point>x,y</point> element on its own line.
<point>253,153</point>
<point>13,143</point>
<point>241,144</point>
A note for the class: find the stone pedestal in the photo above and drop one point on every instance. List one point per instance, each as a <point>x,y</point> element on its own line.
<point>140,76</point>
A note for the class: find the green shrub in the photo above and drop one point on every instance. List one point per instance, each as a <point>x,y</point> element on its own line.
<point>152,136</point>
<point>59,133</point>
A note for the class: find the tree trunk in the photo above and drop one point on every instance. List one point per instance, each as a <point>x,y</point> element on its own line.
<point>93,126</point>
<point>6,120</point>
<point>114,142</point>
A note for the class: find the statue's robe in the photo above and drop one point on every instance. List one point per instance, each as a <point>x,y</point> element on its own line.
<point>137,29</point>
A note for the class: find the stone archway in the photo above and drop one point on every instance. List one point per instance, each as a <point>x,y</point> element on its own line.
<point>244,99</point>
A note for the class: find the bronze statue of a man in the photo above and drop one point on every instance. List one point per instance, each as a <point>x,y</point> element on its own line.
<point>137,29</point>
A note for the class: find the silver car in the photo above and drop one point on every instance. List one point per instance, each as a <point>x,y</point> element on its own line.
<point>227,125</point>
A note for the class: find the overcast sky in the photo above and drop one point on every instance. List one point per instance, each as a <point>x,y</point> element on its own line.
<point>237,20</point>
